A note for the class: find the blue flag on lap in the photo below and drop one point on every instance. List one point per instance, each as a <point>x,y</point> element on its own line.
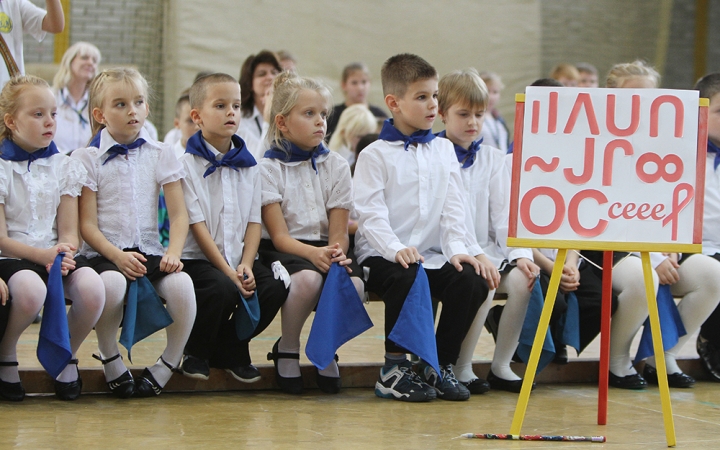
<point>415,327</point>
<point>671,325</point>
<point>53,350</point>
<point>340,316</point>
<point>570,322</point>
<point>144,314</point>
<point>530,325</point>
<point>247,316</point>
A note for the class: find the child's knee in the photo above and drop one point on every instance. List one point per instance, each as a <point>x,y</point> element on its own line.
<point>306,281</point>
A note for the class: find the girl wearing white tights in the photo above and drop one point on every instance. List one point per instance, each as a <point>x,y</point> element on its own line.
<point>118,222</point>
<point>306,198</point>
<point>38,219</point>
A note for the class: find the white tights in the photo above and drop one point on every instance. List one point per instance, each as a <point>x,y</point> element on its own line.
<point>28,292</point>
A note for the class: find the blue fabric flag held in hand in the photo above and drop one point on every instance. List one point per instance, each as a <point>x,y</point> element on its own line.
<point>530,325</point>
<point>247,316</point>
<point>53,350</point>
<point>671,325</point>
<point>415,327</point>
<point>340,316</point>
<point>144,314</point>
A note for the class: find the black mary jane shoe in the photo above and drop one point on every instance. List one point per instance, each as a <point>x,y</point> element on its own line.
<point>500,384</point>
<point>70,390</point>
<point>15,392</point>
<point>122,386</point>
<point>291,385</point>
<point>675,380</point>
<point>634,381</point>
<point>476,386</point>
<point>147,385</point>
<point>329,385</point>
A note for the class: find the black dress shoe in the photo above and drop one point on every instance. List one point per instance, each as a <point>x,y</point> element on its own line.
<point>329,385</point>
<point>147,385</point>
<point>122,386</point>
<point>476,386</point>
<point>634,381</point>
<point>675,380</point>
<point>291,385</point>
<point>15,392</point>
<point>70,390</point>
<point>500,384</point>
<point>710,357</point>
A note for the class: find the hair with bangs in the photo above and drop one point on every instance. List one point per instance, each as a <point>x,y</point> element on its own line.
<point>621,72</point>
<point>64,73</point>
<point>10,99</point>
<point>198,90</point>
<point>100,83</point>
<point>286,90</point>
<point>400,71</point>
<point>709,85</point>
<point>464,87</point>
<point>247,99</point>
<point>352,68</point>
<point>355,121</point>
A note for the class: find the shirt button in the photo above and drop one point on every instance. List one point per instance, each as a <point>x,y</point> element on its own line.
<point>315,232</point>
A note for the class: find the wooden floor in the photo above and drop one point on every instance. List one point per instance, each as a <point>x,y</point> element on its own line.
<point>267,418</point>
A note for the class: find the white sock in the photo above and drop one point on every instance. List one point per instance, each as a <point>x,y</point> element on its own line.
<point>179,294</point>
<point>69,373</point>
<point>304,292</point>
<point>514,284</point>
<point>28,295</point>
<point>108,324</point>
<point>463,369</point>
<point>630,315</point>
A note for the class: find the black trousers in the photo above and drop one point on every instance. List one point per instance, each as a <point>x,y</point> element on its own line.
<point>461,294</point>
<point>710,330</point>
<point>213,336</point>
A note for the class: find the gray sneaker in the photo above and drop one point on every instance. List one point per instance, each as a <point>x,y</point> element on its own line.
<point>444,383</point>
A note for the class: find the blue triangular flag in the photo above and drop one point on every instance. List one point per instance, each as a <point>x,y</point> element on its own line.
<point>530,325</point>
<point>247,316</point>
<point>671,325</point>
<point>340,316</point>
<point>144,314</point>
<point>569,323</point>
<point>53,350</point>
<point>415,327</point>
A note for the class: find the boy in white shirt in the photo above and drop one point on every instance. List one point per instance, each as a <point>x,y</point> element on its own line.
<point>222,194</point>
<point>410,206</point>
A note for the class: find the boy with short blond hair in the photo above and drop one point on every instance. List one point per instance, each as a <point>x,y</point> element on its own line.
<point>222,194</point>
<point>410,206</point>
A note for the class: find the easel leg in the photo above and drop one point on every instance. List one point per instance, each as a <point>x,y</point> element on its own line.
<point>659,351</point>
<point>605,337</point>
<point>538,343</point>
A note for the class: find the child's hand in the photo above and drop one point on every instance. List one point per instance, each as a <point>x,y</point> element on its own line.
<point>570,278</point>
<point>4,292</point>
<point>171,263</point>
<point>247,280</point>
<point>407,256</point>
<point>667,270</point>
<point>131,264</point>
<point>487,270</point>
<point>322,257</point>
<point>340,258</point>
<point>530,269</point>
<point>68,261</point>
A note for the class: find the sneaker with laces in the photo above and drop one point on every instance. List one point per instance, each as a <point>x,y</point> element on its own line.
<point>246,374</point>
<point>444,383</point>
<point>399,382</point>
<point>196,368</point>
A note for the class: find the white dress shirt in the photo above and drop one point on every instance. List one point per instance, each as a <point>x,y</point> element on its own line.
<point>304,196</point>
<point>31,198</point>
<point>494,133</point>
<point>73,122</point>
<point>22,17</point>
<point>410,198</point>
<point>227,200</point>
<point>127,191</point>
<point>487,194</point>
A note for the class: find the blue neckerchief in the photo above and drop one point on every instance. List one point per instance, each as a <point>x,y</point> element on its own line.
<point>712,148</point>
<point>238,156</point>
<point>122,149</point>
<point>390,133</point>
<point>296,154</point>
<point>66,101</point>
<point>465,155</point>
<point>95,141</point>
<point>10,151</point>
